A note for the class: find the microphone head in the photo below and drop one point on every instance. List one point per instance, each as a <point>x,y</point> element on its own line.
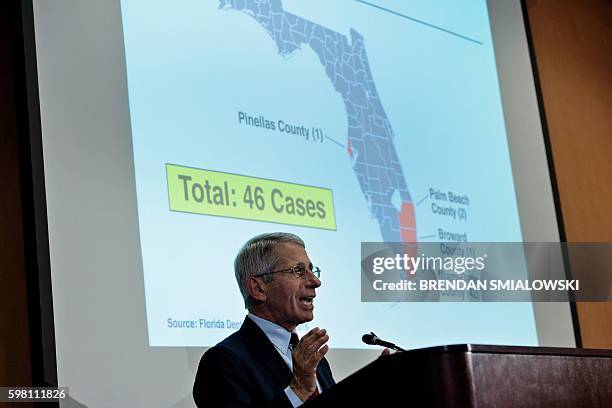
<point>369,339</point>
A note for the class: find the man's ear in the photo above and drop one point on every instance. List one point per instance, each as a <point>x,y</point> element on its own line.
<point>257,289</point>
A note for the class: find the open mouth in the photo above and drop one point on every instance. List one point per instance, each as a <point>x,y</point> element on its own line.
<point>307,300</point>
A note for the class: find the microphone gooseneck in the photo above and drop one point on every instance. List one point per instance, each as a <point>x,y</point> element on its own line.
<point>373,340</point>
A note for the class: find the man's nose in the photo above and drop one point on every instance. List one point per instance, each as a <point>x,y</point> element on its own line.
<point>313,281</point>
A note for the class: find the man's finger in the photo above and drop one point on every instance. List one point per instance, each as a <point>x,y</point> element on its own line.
<point>309,337</point>
<point>316,344</point>
<point>313,336</point>
<point>310,333</point>
<point>313,355</point>
<point>320,354</point>
<point>316,357</point>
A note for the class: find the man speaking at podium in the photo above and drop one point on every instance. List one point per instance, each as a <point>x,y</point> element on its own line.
<point>263,364</point>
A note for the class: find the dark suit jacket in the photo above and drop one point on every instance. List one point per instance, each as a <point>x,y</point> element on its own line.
<point>246,370</point>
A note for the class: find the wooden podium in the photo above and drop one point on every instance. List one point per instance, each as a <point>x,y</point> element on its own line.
<point>469,375</point>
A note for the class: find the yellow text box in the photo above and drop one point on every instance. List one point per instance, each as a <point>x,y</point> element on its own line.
<point>222,194</point>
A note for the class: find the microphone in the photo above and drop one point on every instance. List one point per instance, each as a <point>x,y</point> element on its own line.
<point>372,340</point>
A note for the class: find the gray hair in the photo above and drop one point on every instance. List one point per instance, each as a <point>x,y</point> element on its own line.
<point>257,256</point>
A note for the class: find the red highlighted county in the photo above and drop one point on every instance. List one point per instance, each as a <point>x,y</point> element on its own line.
<point>407,222</point>
<point>369,135</point>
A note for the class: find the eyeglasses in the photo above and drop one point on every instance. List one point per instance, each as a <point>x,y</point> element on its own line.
<point>298,270</point>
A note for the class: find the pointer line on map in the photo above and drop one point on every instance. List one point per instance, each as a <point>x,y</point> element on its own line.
<point>423,199</point>
<point>420,22</point>
<point>428,236</point>
<point>335,141</point>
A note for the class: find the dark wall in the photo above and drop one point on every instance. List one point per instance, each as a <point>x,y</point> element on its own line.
<point>573,45</point>
<point>14,329</point>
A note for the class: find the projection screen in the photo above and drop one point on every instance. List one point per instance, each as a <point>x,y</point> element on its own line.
<point>172,133</point>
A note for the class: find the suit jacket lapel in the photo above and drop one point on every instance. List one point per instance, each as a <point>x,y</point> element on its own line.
<point>323,376</point>
<point>265,352</point>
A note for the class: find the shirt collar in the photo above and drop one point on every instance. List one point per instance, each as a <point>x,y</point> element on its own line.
<point>278,335</point>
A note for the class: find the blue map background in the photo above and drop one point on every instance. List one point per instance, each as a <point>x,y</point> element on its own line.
<point>193,65</point>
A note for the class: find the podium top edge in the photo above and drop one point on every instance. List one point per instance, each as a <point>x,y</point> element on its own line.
<point>502,349</point>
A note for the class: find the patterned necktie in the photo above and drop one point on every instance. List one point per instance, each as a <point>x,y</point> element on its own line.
<point>293,341</point>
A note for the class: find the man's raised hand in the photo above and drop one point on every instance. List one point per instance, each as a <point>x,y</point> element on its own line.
<point>306,357</point>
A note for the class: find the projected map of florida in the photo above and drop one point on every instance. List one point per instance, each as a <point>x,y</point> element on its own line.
<point>370,135</point>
